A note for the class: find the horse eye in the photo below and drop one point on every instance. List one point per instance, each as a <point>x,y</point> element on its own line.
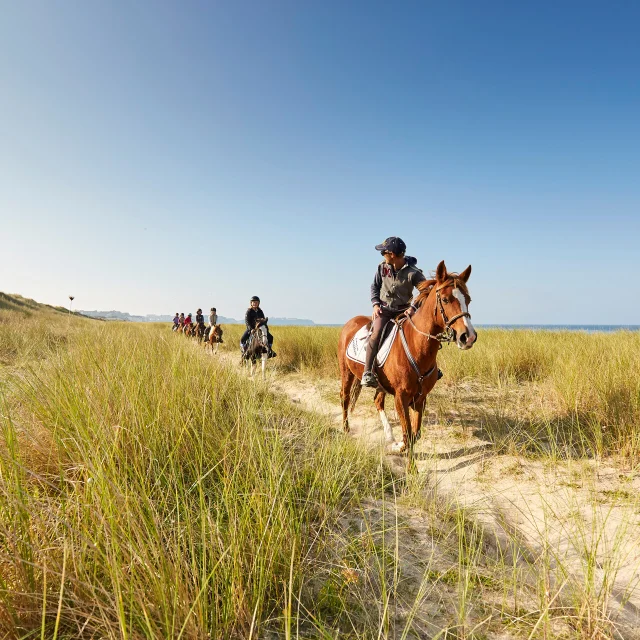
<point>445,300</point>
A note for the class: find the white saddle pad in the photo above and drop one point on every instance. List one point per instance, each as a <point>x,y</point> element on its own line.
<point>357,349</point>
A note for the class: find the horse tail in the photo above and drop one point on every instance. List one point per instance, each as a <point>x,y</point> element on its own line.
<point>354,394</point>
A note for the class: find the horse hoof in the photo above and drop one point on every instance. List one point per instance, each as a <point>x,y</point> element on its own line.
<point>398,447</point>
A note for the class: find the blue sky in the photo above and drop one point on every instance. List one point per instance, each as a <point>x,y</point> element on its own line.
<point>162,156</point>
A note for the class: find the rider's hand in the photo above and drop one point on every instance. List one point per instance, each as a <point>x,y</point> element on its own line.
<point>376,312</point>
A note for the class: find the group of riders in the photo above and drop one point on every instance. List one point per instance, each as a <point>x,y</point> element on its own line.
<point>391,294</point>
<point>253,318</point>
<point>186,323</point>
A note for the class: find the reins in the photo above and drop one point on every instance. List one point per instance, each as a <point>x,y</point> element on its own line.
<point>447,335</point>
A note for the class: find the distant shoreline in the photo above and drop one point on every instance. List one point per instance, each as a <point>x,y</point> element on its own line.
<point>587,328</point>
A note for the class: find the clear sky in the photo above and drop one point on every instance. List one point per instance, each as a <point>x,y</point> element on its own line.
<point>160,156</point>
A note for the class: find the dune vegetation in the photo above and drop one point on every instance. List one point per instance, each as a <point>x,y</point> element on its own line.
<point>576,392</point>
<point>148,490</point>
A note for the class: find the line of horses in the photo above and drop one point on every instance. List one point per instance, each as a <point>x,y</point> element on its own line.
<point>257,347</point>
<point>211,338</point>
<point>410,371</point>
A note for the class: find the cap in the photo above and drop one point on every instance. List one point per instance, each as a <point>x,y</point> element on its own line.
<point>393,244</point>
<point>254,299</point>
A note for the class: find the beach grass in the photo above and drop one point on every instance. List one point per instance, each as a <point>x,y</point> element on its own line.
<point>148,490</point>
<point>580,389</point>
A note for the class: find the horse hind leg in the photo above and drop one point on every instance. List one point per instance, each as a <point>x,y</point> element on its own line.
<point>349,393</point>
<point>386,425</point>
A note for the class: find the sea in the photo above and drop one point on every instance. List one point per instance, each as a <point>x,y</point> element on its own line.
<point>587,328</point>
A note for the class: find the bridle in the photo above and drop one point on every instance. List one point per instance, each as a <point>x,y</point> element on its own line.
<point>259,336</point>
<point>448,335</point>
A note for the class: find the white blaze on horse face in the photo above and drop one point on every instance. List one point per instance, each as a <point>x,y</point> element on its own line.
<point>388,432</point>
<point>459,296</point>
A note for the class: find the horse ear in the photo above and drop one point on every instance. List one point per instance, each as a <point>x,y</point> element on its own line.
<point>464,276</point>
<point>441,272</point>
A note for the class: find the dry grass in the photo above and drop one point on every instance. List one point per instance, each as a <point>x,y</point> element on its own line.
<point>148,491</point>
<point>580,390</point>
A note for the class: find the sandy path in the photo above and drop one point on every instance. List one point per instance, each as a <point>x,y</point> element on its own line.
<point>576,515</point>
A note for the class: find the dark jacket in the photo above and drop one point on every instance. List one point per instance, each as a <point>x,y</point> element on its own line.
<point>251,316</point>
<point>199,318</point>
<point>393,288</point>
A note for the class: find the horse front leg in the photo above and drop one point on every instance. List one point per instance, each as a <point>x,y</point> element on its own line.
<point>417,411</point>
<point>386,425</point>
<point>264,365</point>
<point>402,409</point>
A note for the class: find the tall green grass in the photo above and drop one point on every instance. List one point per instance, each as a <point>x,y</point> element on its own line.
<point>148,492</point>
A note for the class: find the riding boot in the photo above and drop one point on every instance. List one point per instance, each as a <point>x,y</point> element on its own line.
<point>369,378</point>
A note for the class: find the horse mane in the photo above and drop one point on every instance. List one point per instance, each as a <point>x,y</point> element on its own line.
<point>426,286</point>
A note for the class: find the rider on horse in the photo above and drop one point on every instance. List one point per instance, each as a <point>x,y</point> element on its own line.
<point>200,321</point>
<point>391,294</point>
<point>176,322</point>
<point>253,314</point>
<point>187,320</point>
<point>213,321</point>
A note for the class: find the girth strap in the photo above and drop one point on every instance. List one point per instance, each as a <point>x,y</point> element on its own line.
<point>412,361</point>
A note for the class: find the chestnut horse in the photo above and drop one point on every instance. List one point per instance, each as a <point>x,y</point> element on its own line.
<point>214,338</point>
<point>198,331</point>
<point>410,371</point>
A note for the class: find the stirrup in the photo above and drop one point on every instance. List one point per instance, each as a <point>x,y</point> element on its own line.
<point>369,379</point>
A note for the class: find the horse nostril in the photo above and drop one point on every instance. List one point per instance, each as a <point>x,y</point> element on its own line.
<point>463,337</point>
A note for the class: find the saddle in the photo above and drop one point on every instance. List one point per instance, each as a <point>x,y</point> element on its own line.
<point>357,348</point>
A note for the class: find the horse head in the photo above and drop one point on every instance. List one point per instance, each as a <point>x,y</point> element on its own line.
<point>452,305</point>
<point>263,334</point>
<point>216,334</point>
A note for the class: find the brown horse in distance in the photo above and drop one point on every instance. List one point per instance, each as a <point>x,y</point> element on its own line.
<point>215,338</point>
<point>198,331</point>
<point>442,315</point>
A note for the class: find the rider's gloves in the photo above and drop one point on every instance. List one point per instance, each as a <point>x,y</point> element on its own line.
<point>410,311</point>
